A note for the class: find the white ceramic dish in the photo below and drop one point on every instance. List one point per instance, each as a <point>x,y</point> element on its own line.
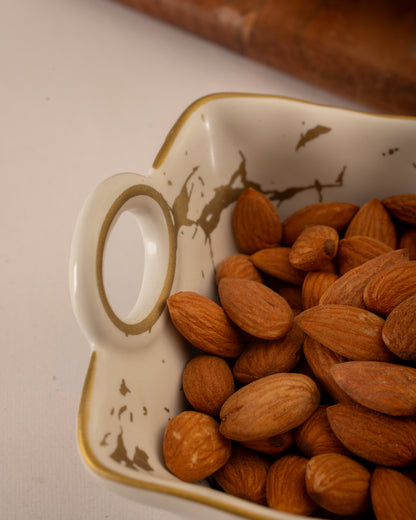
<point>295,152</point>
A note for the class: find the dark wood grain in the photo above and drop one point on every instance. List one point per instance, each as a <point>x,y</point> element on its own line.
<point>364,50</point>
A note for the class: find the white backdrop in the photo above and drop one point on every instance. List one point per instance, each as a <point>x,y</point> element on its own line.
<point>88,88</point>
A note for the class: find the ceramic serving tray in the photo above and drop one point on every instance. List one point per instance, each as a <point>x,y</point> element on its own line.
<point>295,152</point>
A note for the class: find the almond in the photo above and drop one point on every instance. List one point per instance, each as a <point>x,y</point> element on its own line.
<point>314,248</point>
<point>357,250</point>
<point>383,387</point>
<point>244,475</point>
<point>399,331</point>
<point>338,483</point>
<point>268,406</point>
<point>390,287</point>
<point>255,222</point>
<point>320,359</point>
<point>334,214</point>
<point>275,262</point>
<point>255,308</point>
<point>352,332</point>
<point>193,447</point>
<point>265,357</point>
<point>237,266</point>
<point>393,495</point>
<point>402,207</point>
<point>349,288</point>
<point>376,437</point>
<point>315,435</point>
<point>204,324</point>
<point>272,445</point>
<point>207,381</point>
<point>286,489</point>
<point>314,286</point>
<point>373,220</point>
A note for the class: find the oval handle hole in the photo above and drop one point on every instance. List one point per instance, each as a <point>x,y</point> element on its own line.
<point>136,259</point>
<point>123,264</point>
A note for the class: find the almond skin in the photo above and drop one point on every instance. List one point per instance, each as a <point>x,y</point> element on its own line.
<point>315,435</point>
<point>244,475</point>
<point>390,287</point>
<point>207,381</point>
<point>402,207</point>
<point>314,286</point>
<point>193,447</point>
<point>334,214</point>
<point>352,332</point>
<point>399,331</point>
<point>204,324</point>
<point>286,488</point>
<point>320,359</point>
<point>357,250</point>
<point>314,248</point>
<point>338,483</point>
<point>237,266</point>
<point>379,438</point>
<point>349,288</point>
<point>384,387</point>
<point>255,222</point>
<point>265,357</point>
<point>373,220</point>
<point>272,445</point>
<point>275,262</point>
<point>268,406</point>
<point>393,495</point>
<point>255,308</point>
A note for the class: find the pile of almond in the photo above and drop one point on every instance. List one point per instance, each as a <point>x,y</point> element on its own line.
<point>303,391</point>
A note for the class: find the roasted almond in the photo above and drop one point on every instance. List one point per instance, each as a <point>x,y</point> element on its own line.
<point>393,495</point>
<point>237,266</point>
<point>268,406</point>
<point>357,250</point>
<point>265,357</point>
<point>373,436</point>
<point>286,488</point>
<point>314,248</point>
<point>314,286</point>
<point>207,381</point>
<point>204,324</point>
<point>399,331</point>
<point>349,288</point>
<point>334,214</point>
<point>244,474</point>
<point>275,262</point>
<point>350,331</point>
<point>338,483</point>
<point>373,220</point>
<point>193,447</point>
<point>320,359</point>
<point>390,287</point>
<point>402,207</point>
<point>384,387</point>
<point>315,435</point>
<point>255,308</point>
<point>255,222</point>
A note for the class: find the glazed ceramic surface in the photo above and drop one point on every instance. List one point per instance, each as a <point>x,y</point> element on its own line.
<point>296,153</point>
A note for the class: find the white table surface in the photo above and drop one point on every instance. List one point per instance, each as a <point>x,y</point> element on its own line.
<point>89,88</point>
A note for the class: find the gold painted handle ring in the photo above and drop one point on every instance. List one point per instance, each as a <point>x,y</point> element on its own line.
<point>98,320</point>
